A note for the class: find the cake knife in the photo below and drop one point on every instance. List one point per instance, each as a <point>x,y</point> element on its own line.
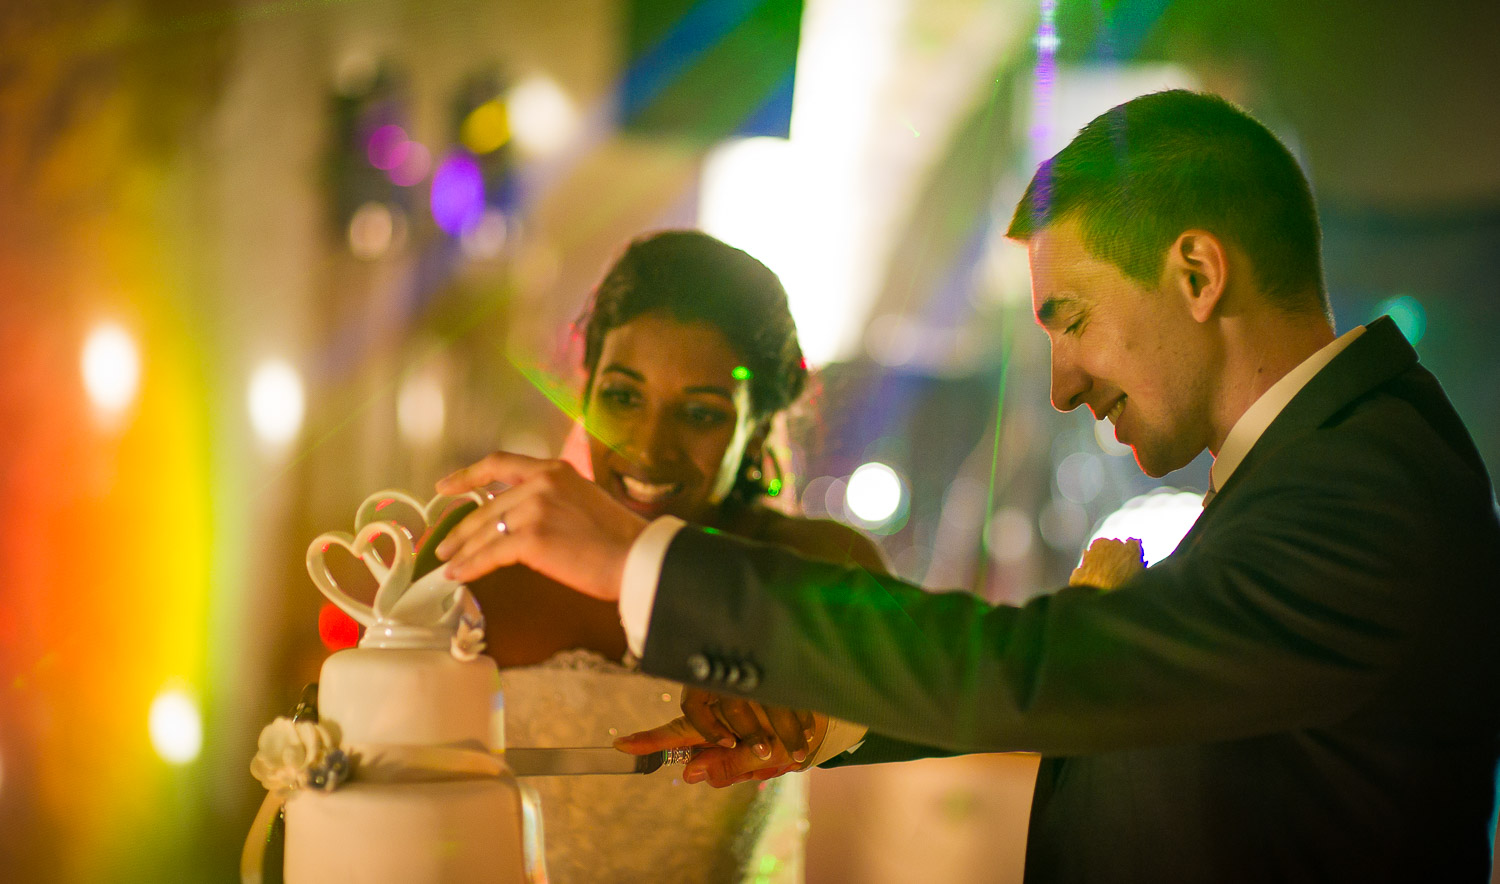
<point>591,760</point>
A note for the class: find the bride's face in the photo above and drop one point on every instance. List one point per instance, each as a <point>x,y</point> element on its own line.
<point>668,418</point>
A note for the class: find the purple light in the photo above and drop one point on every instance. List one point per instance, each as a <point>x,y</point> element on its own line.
<point>457,194</point>
<point>387,147</point>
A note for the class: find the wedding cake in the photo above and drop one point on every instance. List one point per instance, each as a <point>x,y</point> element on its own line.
<point>396,780</point>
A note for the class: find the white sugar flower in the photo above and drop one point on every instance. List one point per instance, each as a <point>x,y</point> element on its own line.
<point>468,640</point>
<point>288,750</point>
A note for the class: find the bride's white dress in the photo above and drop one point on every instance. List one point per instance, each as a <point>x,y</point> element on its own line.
<point>631,829</point>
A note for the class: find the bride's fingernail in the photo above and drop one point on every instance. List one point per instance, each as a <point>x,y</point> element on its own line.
<point>693,775</point>
<point>761,750</point>
<point>799,755</point>
<point>728,742</point>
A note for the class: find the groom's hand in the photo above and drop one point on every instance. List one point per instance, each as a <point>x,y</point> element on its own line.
<point>759,753</point>
<point>1108,563</point>
<point>550,519</point>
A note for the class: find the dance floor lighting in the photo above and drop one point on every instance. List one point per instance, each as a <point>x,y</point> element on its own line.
<point>276,402</point>
<point>387,147</point>
<point>420,408</point>
<point>1160,518</point>
<point>414,167</point>
<point>372,230</point>
<point>111,368</point>
<point>176,726</point>
<point>1408,314</point>
<point>457,197</point>
<point>874,494</point>
<point>1104,434</point>
<point>542,116</point>
<point>486,128</point>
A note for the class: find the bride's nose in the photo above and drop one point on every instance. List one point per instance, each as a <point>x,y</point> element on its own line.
<point>651,441</point>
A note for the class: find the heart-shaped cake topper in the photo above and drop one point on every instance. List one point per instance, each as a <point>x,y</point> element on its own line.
<point>392,579</point>
<point>403,614</point>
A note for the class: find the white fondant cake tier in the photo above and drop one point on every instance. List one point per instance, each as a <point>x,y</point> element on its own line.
<point>403,696</point>
<point>459,832</point>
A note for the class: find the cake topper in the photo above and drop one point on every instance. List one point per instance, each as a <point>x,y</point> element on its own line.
<point>423,613</point>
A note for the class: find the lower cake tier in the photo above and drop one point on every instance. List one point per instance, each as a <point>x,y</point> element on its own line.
<point>458,832</point>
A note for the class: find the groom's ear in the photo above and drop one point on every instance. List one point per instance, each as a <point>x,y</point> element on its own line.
<point>1197,269</point>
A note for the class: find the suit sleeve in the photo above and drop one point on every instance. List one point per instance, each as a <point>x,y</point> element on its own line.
<point>1288,613</point>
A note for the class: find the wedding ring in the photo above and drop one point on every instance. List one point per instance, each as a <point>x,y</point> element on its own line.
<point>676,756</point>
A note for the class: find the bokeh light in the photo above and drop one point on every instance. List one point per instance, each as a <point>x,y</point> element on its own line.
<point>457,197</point>
<point>486,239</point>
<point>1080,477</point>
<point>372,230</point>
<point>176,726</point>
<point>420,408</point>
<point>414,166</point>
<point>387,147</point>
<point>276,401</point>
<point>486,128</point>
<point>542,117</point>
<point>874,494</point>
<point>1408,314</point>
<point>1160,518</point>
<point>336,629</point>
<point>1009,535</point>
<point>1063,524</point>
<point>111,368</point>
<point>1104,434</point>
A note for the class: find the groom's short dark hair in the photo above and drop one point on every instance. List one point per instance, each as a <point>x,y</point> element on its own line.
<point>1141,173</point>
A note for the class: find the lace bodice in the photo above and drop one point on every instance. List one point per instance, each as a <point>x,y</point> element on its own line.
<point>631,829</point>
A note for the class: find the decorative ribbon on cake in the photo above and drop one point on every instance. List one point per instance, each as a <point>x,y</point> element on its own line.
<point>296,755</point>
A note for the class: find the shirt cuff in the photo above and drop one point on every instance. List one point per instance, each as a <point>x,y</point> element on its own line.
<point>642,573</point>
<point>841,736</point>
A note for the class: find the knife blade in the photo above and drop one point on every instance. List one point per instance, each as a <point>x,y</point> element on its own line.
<point>527,762</point>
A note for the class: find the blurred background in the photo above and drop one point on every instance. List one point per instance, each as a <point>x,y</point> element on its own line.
<point>259,259</point>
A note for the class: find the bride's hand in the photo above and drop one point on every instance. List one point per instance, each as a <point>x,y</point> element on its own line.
<point>760,752</point>
<point>729,720</point>
<point>550,519</point>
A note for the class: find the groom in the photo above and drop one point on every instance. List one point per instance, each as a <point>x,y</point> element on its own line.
<point>1307,689</point>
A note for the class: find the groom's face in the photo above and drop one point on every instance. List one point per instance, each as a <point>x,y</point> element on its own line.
<point>1124,349</point>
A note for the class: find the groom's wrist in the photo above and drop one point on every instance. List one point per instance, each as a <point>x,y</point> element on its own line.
<point>832,737</point>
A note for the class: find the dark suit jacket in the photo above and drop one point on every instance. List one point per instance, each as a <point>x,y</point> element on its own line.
<point>1307,689</point>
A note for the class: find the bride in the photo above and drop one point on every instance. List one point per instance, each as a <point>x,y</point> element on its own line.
<point>691,354</point>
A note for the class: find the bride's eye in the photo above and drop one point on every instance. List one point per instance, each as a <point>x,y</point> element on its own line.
<point>705,416</point>
<point>618,397</point>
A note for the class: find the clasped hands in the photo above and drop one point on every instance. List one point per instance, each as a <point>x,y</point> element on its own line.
<point>560,524</point>
<point>734,739</point>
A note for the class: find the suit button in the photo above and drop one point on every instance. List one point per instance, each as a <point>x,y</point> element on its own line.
<point>717,673</point>
<point>749,677</point>
<point>733,674</point>
<point>698,667</point>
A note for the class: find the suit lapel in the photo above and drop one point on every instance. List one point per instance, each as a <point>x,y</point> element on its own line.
<point>1374,358</point>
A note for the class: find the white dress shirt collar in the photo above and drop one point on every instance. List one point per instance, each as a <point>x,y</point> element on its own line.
<point>1253,423</point>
